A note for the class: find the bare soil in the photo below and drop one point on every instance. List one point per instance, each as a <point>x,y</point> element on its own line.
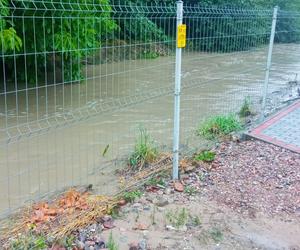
<point>248,198</point>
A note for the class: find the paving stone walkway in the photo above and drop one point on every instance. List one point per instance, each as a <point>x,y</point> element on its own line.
<point>282,129</point>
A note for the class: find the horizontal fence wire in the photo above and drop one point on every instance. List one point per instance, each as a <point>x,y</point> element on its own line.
<point>79,79</point>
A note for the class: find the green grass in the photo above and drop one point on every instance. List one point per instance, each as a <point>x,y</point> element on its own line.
<point>206,156</point>
<point>149,55</point>
<point>131,196</point>
<point>177,218</point>
<point>216,235</point>
<point>218,126</point>
<point>246,109</point>
<point>190,190</point>
<point>156,180</point>
<point>145,151</point>
<point>111,244</point>
<point>29,241</point>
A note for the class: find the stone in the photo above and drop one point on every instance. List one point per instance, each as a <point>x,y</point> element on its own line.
<point>143,245</point>
<point>134,246</point>
<point>161,202</point>
<point>108,224</point>
<point>178,187</point>
<point>168,191</point>
<point>80,245</point>
<point>170,227</point>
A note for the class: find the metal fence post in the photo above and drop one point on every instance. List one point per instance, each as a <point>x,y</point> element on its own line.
<point>269,61</point>
<point>177,97</point>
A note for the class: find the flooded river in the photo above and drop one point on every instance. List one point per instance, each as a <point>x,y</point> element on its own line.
<point>53,137</point>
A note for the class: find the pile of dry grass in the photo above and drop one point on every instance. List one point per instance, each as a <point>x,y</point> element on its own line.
<point>82,210</point>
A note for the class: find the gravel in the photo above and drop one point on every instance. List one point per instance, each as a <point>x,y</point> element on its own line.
<point>253,176</point>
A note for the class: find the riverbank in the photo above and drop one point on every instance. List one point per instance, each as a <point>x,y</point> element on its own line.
<point>246,198</point>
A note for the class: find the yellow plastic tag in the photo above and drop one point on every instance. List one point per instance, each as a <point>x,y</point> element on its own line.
<point>181,39</point>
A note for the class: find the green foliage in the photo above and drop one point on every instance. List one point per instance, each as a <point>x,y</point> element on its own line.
<point>219,126</point>
<point>68,39</point>
<point>177,218</point>
<point>246,109</point>
<point>206,156</point>
<point>190,190</point>
<point>132,195</point>
<point>9,40</point>
<point>140,28</point>
<point>157,180</point>
<point>195,221</point>
<point>149,55</point>
<point>29,241</point>
<point>144,151</point>
<point>111,244</point>
<point>216,235</point>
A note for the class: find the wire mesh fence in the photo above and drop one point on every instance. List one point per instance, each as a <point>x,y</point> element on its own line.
<point>79,78</point>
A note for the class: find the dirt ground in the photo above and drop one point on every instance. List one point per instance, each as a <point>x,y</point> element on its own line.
<point>247,198</point>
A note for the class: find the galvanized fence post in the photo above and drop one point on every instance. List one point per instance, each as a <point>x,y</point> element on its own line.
<point>269,61</point>
<point>176,134</point>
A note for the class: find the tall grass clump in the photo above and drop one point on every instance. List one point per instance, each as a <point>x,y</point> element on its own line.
<point>246,109</point>
<point>145,152</point>
<point>218,126</point>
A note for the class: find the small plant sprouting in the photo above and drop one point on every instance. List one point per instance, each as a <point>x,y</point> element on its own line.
<point>29,241</point>
<point>111,244</point>
<point>219,126</point>
<point>216,235</point>
<point>156,180</point>
<point>177,218</point>
<point>246,109</point>
<point>195,221</point>
<point>190,190</point>
<point>144,151</point>
<point>149,55</point>
<point>131,196</point>
<point>206,156</point>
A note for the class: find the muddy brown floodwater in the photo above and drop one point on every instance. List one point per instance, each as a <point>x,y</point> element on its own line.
<point>53,144</point>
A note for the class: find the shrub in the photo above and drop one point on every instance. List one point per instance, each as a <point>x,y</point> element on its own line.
<point>246,109</point>
<point>144,151</point>
<point>219,126</point>
<point>207,156</point>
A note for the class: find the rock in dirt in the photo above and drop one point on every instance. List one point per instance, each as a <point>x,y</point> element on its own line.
<point>178,186</point>
<point>140,226</point>
<point>161,202</point>
<point>134,246</point>
<point>108,224</point>
<point>143,245</point>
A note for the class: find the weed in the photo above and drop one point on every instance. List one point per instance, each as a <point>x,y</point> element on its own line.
<point>190,190</point>
<point>29,241</point>
<point>144,151</point>
<point>111,244</point>
<point>216,234</point>
<point>115,213</point>
<point>195,221</point>
<point>154,181</point>
<point>67,242</point>
<point>177,218</point>
<point>149,55</point>
<point>246,109</point>
<point>206,156</point>
<point>131,196</point>
<point>219,126</point>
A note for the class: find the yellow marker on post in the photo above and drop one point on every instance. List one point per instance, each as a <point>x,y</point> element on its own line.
<point>181,33</point>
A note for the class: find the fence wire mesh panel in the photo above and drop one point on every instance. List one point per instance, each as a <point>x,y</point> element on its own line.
<point>223,65</point>
<point>80,79</point>
<point>284,84</point>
